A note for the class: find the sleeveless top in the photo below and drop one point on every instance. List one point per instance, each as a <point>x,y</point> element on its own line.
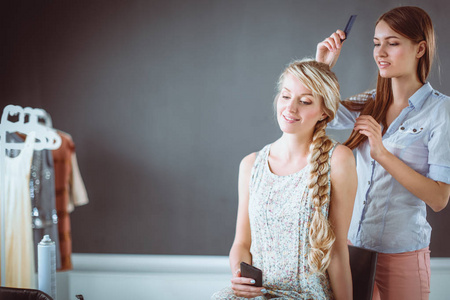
<point>19,257</point>
<point>44,219</point>
<point>280,213</point>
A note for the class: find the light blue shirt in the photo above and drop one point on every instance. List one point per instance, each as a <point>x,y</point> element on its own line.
<point>387,217</point>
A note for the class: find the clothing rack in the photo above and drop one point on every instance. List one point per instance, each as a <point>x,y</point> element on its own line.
<point>46,138</point>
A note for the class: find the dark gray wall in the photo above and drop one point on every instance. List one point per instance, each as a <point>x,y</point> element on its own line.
<point>164,98</point>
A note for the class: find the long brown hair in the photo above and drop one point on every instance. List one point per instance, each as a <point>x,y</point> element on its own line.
<point>415,24</point>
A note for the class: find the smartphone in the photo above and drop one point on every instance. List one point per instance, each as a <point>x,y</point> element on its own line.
<point>250,271</point>
<point>348,27</point>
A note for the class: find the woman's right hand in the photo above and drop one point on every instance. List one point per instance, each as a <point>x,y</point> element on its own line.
<point>243,287</point>
<point>328,50</point>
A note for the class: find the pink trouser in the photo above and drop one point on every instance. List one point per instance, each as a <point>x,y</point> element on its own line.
<point>403,276</point>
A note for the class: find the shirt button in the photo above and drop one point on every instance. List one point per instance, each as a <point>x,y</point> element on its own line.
<point>364,202</point>
<point>414,130</point>
<point>402,128</point>
<point>368,182</point>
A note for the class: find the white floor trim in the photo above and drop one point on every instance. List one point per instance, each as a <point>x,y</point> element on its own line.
<point>123,276</point>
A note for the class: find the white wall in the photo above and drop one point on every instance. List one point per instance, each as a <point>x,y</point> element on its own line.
<point>111,277</point>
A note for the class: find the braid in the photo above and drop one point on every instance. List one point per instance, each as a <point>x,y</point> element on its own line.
<point>321,235</point>
<point>322,82</point>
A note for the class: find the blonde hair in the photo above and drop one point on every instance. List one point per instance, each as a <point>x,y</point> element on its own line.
<point>323,83</point>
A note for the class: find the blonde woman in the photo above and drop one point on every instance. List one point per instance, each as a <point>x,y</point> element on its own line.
<point>296,198</point>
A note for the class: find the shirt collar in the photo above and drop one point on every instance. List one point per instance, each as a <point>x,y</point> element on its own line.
<point>419,97</point>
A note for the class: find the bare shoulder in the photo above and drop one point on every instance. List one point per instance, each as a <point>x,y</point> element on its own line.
<point>343,178</point>
<point>245,171</point>
<point>342,159</point>
<point>247,163</point>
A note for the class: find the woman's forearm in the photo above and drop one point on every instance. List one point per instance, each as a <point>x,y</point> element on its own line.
<point>435,194</point>
<point>239,253</point>
<point>340,274</point>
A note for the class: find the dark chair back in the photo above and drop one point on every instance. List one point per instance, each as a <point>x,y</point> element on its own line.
<point>363,264</point>
<point>22,294</point>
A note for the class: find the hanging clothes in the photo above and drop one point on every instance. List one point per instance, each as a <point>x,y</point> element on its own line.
<point>20,266</point>
<point>44,219</point>
<point>42,194</point>
<point>70,192</point>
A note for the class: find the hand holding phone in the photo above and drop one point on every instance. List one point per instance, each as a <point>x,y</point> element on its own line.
<point>250,271</point>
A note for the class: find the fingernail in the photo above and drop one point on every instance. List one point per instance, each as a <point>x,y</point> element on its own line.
<point>263,291</point>
<point>252,281</point>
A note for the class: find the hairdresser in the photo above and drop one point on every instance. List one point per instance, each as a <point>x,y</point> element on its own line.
<point>401,136</point>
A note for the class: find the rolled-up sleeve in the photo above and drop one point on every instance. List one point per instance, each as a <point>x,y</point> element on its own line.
<point>439,143</point>
<point>344,118</point>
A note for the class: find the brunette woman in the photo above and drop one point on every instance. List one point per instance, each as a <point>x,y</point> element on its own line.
<point>401,136</point>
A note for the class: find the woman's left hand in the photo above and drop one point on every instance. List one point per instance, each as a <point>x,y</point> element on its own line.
<point>367,125</point>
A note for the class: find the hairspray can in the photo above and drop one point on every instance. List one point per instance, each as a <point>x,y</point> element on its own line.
<point>47,266</point>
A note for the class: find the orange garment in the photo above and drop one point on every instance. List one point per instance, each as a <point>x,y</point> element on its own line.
<point>70,192</point>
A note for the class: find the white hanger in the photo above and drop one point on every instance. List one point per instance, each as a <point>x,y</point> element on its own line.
<point>46,137</point>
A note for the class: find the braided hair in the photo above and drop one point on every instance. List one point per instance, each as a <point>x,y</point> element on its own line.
<point>323,84</point>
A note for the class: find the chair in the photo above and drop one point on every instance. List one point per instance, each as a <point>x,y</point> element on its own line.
<point>22,294</point>
<point>363,263</point>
